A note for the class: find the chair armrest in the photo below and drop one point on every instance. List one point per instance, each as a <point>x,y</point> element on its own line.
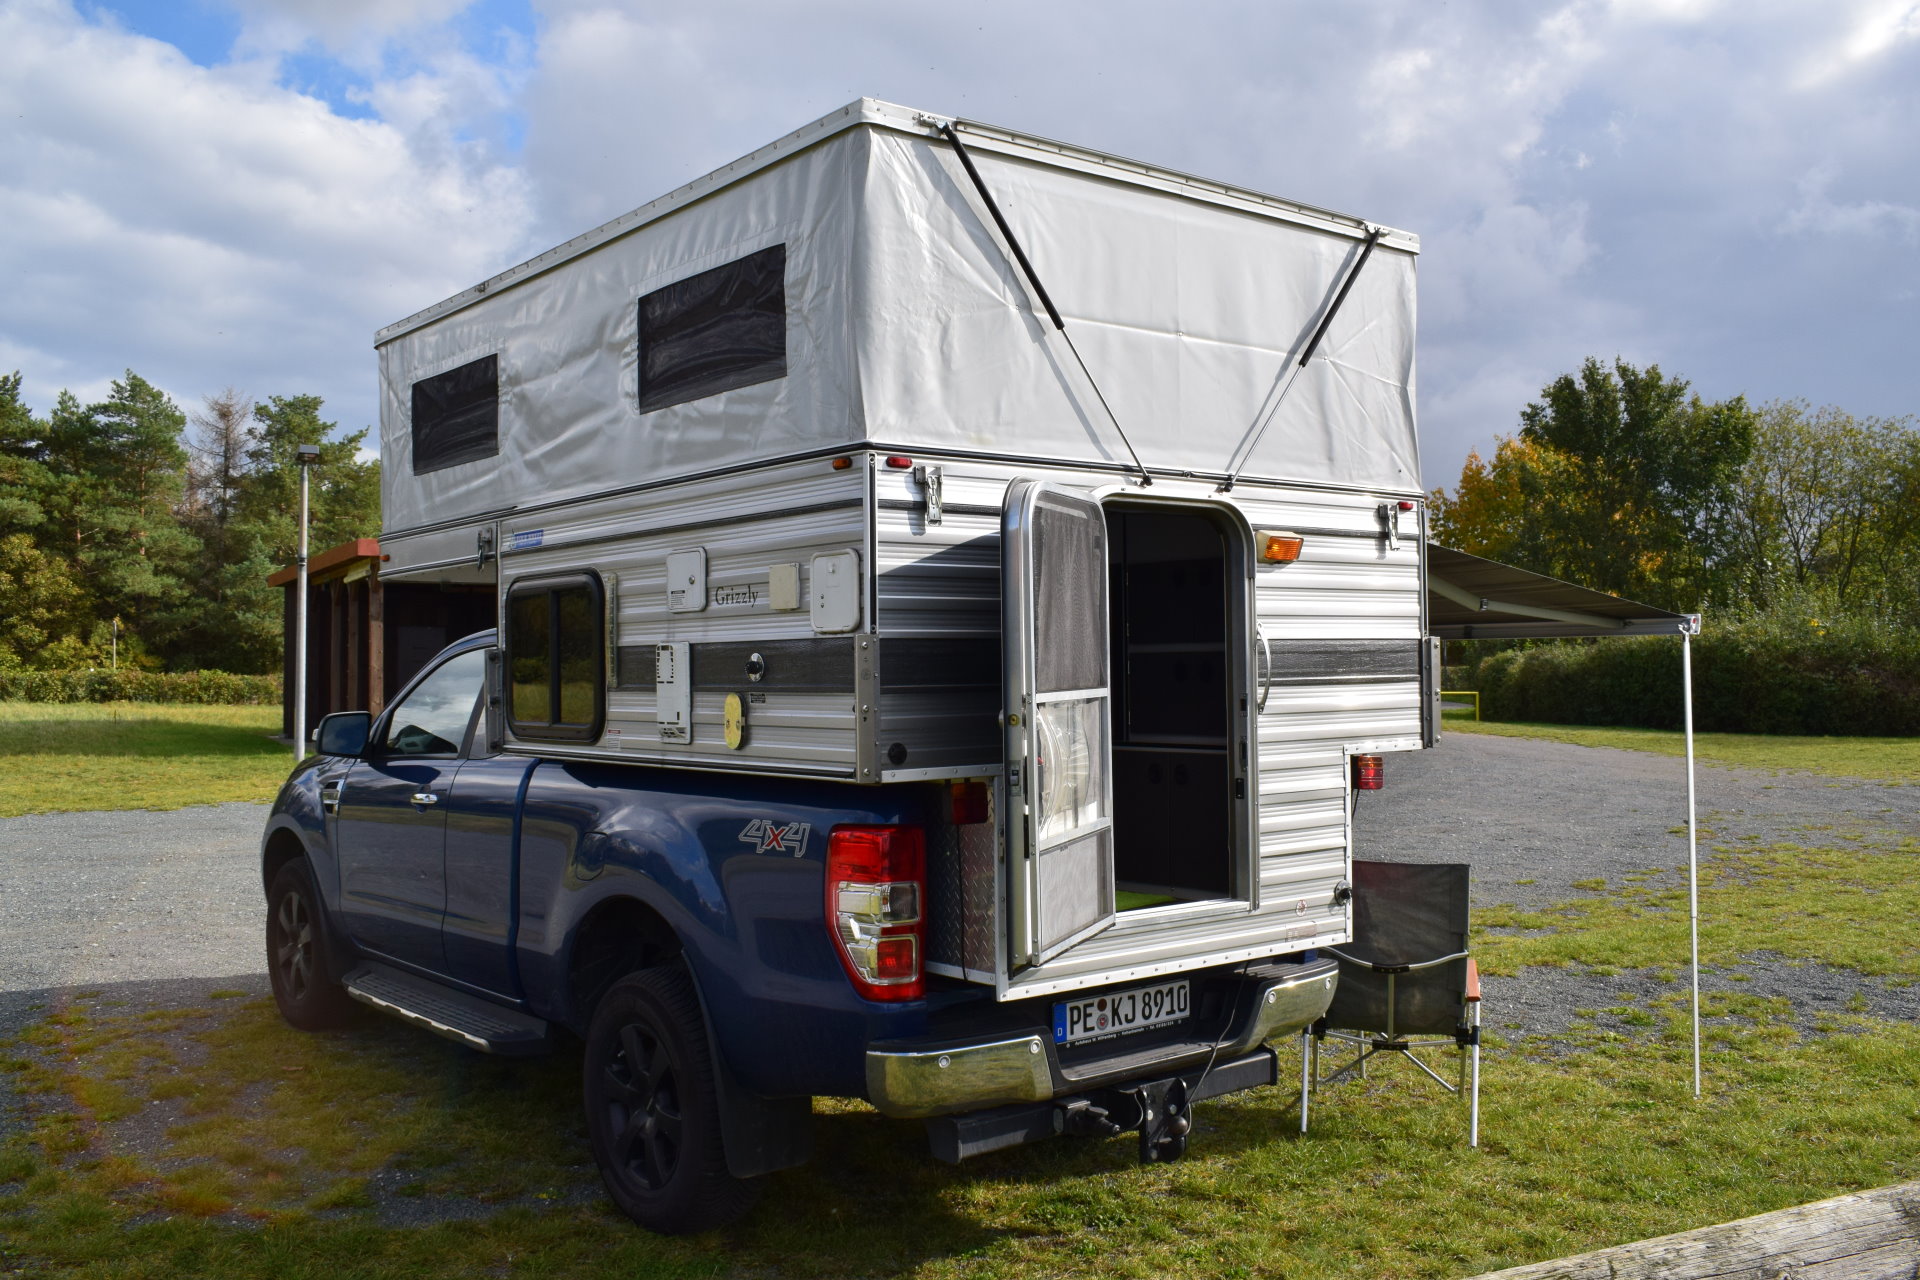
<point>1473,981</point>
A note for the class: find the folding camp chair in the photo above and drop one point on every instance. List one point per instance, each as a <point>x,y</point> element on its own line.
<point>1406,974</point>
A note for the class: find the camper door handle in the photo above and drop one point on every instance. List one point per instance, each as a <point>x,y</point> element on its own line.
<point>1266,667</point>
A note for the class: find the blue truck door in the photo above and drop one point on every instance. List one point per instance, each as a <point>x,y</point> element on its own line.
<point>482,871</point>
<point>390,828</point>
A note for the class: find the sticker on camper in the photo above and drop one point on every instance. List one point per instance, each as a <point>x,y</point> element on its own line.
<point>771,837</point>
<point>526,540</point>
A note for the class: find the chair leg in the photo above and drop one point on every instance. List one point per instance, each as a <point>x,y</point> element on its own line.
<point>1473,1114</point>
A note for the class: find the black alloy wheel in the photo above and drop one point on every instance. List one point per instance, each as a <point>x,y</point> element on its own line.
<point>653,1107</point>
<point>297,953</point>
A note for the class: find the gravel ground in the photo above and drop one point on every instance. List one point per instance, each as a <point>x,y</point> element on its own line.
<point>88,898</point>
<point>1533,817</point>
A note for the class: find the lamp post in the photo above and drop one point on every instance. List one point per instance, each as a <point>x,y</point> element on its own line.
<point>306,455</point>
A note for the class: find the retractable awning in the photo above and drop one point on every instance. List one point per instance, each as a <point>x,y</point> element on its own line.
<point>1470,598</point>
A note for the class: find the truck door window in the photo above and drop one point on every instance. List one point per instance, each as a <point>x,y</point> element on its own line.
<point>555,658</point>
<point>434,718</point>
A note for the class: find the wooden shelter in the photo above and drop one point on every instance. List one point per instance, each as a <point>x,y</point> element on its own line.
<point>367,638</point>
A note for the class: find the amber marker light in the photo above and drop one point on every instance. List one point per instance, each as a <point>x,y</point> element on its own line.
<point>841,464</point>
<point>1279,548</point>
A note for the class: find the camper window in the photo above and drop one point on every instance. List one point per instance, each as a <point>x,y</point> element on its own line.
<point>456,416</point>
<point>715,331</point>
<point>555,659</point>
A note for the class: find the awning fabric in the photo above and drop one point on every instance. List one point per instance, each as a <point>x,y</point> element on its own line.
<point>1470,598</point>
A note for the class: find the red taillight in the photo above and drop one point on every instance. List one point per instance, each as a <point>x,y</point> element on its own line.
<point>1369,773</point>
<point>970,804</point>
<point>876,877</point>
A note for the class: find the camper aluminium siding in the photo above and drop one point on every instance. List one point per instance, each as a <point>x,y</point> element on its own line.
<point>746,521</point>
<point>1325,701</point>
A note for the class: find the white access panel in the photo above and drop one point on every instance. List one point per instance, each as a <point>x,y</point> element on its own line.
<point>687,580</point>
<point>835,593</point>
<point>673,681</point>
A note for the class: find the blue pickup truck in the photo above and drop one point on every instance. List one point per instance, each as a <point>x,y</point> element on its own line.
<point>727,947</point>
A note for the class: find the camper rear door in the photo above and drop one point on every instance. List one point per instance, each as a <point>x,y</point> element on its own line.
<point>1058,717</point>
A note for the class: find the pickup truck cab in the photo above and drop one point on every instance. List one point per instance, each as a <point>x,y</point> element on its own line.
<point>726,946</point>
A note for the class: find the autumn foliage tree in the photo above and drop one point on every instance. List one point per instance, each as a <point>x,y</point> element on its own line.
<point>1620,479</point>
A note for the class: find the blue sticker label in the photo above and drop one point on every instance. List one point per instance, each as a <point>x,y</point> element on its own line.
<point>1060,1024</point>
<point>526,540</point>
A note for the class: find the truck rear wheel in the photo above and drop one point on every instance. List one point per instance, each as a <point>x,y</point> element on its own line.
<point>297,960</point>
<point>653,1110</point>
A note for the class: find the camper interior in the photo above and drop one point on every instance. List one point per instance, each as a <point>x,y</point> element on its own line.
<point>1173,594</point>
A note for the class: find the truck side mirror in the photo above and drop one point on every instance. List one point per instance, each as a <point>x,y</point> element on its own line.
<point>344,733</point>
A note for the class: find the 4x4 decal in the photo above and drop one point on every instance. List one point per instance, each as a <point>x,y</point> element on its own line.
<point>777,837</point>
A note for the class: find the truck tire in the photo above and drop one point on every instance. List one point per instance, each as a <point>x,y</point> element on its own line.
<point>653,1110</point>
<point>297,955</point>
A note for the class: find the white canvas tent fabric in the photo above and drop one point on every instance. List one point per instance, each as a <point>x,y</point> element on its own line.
<point>1473,598</point>
<point>909,326</point>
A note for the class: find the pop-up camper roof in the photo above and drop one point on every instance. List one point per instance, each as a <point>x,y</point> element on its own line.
<point>847,286</point>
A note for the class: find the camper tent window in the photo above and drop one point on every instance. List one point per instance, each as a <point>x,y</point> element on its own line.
<point>456,416</point>
<point>555,659</point>
<point>715,331</point>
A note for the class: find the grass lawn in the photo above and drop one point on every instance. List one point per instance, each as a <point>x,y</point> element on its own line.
<point>212,1140</point>
<point>1889,759</point>
<point>60,757</point>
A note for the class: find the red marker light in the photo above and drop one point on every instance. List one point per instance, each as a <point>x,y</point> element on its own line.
<point>899,463</point>
<point>1369,773</point>
<point>970,804</point>
<point>1405,505</point>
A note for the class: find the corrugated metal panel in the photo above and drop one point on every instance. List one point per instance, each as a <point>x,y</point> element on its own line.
<point>746,522</point>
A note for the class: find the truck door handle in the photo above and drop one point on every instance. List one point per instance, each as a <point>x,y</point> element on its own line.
<point>425,797</point>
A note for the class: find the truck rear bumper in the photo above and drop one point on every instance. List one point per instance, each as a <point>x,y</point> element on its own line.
<point>916,1081</point>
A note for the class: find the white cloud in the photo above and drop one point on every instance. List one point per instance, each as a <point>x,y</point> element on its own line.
<point>355,29</point>
<point>209,228</point>
<point>1727,189</point>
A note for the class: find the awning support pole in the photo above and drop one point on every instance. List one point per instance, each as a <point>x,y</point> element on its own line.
<point>1693,849</point>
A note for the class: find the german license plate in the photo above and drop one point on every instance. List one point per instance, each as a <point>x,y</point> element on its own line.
<point>1097,1017</point>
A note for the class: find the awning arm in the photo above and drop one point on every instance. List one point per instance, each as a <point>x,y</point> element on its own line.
<point>1461,596</point>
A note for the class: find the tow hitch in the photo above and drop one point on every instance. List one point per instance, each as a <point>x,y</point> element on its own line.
<point>1160,1110</point>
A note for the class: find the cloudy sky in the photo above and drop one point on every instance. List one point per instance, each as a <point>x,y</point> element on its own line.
<point>239,192</point>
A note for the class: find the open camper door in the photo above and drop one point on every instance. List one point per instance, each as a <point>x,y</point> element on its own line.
<point>1059,719</point>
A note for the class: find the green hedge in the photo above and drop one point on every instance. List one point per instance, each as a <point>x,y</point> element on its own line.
<point>129,685</point>
<point>1752,675</point>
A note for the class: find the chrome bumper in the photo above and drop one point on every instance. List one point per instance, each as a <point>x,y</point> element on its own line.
<point>929,1082</point>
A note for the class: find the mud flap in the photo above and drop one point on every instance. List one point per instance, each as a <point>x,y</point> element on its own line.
<point>760,1134</point>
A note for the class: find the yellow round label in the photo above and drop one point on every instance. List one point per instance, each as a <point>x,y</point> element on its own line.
<point>734,721</point>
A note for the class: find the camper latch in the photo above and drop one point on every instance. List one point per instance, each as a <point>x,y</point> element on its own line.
<point>929,478</point>
<point>1390,524</point>
<point>484,545</point>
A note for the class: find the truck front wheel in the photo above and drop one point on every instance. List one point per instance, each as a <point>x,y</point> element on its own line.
<point>297,960</point>
<point>653,1110</point>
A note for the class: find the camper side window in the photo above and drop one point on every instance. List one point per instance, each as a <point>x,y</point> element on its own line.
<point>715,331</point>
<point>555,659</point>
<point>456,416</point>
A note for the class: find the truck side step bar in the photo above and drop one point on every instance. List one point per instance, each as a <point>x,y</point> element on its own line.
<point>456,1015</point>
<point>1159,1109</point>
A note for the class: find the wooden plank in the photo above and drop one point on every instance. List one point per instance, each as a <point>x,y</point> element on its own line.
<point>1870,1235</point>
